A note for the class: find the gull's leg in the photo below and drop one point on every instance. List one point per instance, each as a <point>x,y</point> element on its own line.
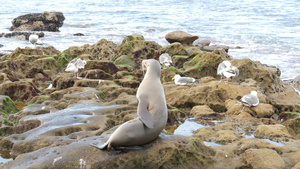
<point>242,109</point>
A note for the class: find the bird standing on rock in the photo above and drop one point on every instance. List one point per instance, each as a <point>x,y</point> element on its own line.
<point>225,69</point>
<point>249,100</point>
<point>184,80</point>
<point>34,39</point>
<point>165,59</point>
<point>74,65</point>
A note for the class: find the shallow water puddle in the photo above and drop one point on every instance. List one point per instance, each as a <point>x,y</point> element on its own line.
<point>267,140</point>
<point>188,127</point>
<point>5,157</point>
<point>211,143</point>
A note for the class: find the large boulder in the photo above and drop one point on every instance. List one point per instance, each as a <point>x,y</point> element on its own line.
<point>47,21</point>
<point>137,50</point>
<point>182,37</point>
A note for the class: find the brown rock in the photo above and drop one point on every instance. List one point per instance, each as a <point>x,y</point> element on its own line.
<point>274,132</point>
<point>264,159</point>
<point>293,126</point>
<point>182,37</point>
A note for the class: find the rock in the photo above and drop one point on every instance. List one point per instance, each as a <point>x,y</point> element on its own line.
<point>182,37</point>
<point>179,60</point>
<point>204,64</point>
<point>133,37</point>
<point>164,152</point>
<point>175,48</point>
<point>293,126</point>
<point>7,107</point>
<point>267,81</point>
<point>137,50</point>
<point>63,82</point>
<point>213,94</point>
<point>102,50</point>
<point>291,158</point>
<point>19,90</point>
<point>107,66</point>
<point>202,43</point>
<point>202,112</point>
<point>276,132</point>
<point>125,60</point>
<point>47,21</point>
<point>261,111</point>
<point>214,47</point>
<point>297,166</point>
<point>24,34</point>
<point>264,159</point>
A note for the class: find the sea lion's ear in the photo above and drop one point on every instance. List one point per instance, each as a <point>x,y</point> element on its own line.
<point>143,113</point>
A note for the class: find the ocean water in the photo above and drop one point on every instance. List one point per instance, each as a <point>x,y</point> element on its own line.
<point>267,31</point>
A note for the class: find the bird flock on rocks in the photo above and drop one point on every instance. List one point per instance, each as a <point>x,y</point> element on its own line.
<point>225,70</point>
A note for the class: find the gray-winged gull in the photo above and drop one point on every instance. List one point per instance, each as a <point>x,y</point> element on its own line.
<point>75,64</point>
<point>34,39</point>
<point>225,69</point>
<point>249,100</point>
<point>165,59</point>
<point>184,80</point>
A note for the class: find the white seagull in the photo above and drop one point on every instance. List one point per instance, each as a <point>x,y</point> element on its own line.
<point>225,69</point>
<point>249,100</point>
<point>165,59</point>
<point>75,64</point>
<point>34,39</point>
<point>184,80</point>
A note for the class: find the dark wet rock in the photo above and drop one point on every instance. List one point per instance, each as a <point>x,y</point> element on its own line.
<point>78,34</point>
<point>107,66</point>
<point>24,34</point>
<point>19,90</point>
<point>293,126</point>
<point>182,37</point>
<point>47,21</point>
<point>63,82</point>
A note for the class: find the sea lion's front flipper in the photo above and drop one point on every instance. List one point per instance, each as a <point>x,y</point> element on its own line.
<point>143,113</point>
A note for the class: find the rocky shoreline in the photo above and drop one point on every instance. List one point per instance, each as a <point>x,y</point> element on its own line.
<point>50,118</point>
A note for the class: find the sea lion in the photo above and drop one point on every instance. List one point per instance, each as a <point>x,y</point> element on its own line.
<point>152,112</point>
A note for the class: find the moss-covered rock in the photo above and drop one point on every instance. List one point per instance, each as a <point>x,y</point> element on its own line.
<point>293,126</point>
<point>7,106</point>
<point>203,64</point>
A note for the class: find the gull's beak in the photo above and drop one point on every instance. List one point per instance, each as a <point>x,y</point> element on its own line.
<point>173,78</point>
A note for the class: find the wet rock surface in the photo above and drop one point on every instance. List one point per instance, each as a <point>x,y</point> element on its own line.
<point>47,21</point>
<point>50,118</point>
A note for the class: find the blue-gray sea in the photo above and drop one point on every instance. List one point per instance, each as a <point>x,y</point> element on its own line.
<point>267,30</point>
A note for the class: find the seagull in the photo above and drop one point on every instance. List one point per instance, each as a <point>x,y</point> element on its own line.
<point>75,64</point>
<point>184,80</point>
<point>249,100</point>
<point>34,39</point>
<point>165,59</point>
<point>226,70</point>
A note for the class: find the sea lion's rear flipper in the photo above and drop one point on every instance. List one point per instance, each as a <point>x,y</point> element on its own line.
<point>143,113</point>
<point>101,147</point>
